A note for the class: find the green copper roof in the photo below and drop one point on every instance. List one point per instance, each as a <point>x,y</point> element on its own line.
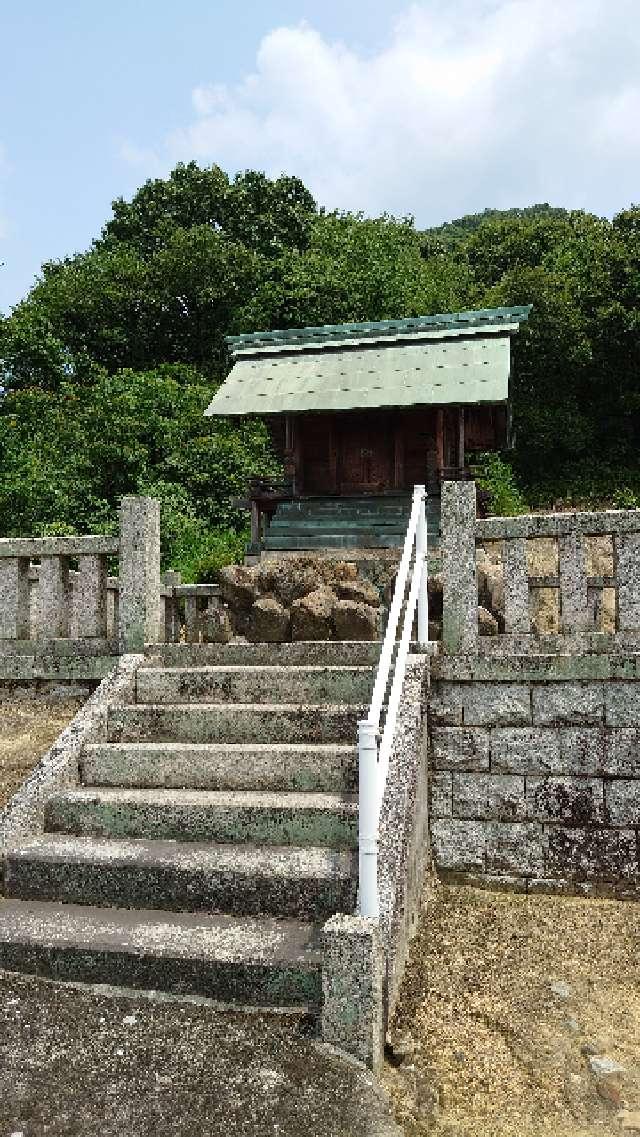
<point>461,358</point>
<point>380,329</point>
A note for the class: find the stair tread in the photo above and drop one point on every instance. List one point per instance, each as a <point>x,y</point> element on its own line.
<point>260,940</point>
<point>256,669</point>
<point>305,862</point>
<point>225,747</point>
<point>236,707</point>
<point>233,799</point>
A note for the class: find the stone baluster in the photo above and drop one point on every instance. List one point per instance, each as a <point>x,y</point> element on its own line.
<point>90,589</point>
<point>572,557</point>
<point>54,597</point>
<point>191,620</point>
<point>627,573</point>
<point>14,598</point>
<point>516,587</point>
<point>171,608</point>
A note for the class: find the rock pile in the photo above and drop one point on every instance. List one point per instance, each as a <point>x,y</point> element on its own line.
<point>300,598</point>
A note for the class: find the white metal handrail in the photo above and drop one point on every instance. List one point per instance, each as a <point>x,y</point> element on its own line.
<point>373,751</point>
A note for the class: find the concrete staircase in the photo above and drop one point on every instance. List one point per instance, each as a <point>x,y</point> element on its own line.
<point>347,523</point>
<point>213,831</point>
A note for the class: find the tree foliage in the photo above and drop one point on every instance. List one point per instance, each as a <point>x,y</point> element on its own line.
<point>109,361</point>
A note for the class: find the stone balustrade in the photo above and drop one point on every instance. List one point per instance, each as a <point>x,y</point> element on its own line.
<point>579,593</point>
<point>69,596</point>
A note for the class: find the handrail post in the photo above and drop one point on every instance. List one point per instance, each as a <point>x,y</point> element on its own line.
<point>423,568</point>
<point>369,811</point>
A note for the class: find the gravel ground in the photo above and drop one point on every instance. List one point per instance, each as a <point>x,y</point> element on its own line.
<point>92,1062</point>
<point>511,1011</point>
<point>28,727</point>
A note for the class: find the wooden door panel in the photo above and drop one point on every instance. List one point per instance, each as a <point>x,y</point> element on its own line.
<point>366,455</point>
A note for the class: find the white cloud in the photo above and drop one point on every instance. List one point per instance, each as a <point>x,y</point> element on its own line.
<point>470,103</point>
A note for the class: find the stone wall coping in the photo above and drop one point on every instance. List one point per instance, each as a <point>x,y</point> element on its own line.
<point>23,816</point>
<point>603,523</point>
<point>537,668</point>
<point>93,546</point>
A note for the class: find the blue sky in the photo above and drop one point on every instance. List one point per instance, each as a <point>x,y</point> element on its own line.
<point>433,108</point>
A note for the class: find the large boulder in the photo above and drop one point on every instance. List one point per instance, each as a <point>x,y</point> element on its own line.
<point>361,591</point>
<point>268,622</point>
<point>355,621</point>
<point>239,586</point>
<point>311,615</point>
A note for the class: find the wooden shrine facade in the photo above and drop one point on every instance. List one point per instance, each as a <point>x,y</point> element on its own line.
<point>351,453</point>
<point>370,410</point>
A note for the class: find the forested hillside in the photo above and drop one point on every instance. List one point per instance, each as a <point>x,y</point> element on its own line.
<point>110,360</point>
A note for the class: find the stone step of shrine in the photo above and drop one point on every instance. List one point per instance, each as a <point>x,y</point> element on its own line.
<point>213,831</point>
<point>242,880</point>
<point>256,961</point>
<point>319,767</point>
<point>346,523</point>
<point>255,816</point>
<point>310,685</point>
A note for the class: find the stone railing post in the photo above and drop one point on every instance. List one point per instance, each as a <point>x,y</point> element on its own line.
<point>460,586</point>
<point>139,601</point>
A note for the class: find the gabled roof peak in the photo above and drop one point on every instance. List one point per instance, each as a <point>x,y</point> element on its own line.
<point>497,319</point>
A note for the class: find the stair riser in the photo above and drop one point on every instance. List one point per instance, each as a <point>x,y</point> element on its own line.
<point>313,653</point>
<point>257,985</point>
<point>232,724</point>
<point>332,540</point>
<point>171,822</point>
<point>255,686</point>
<point>297,770</point>
<point>164,888</point>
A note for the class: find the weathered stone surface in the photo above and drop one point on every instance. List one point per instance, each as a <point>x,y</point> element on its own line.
<point>587,854</point>
<point>489,704</point>
<point>460,612</point>
<point>270,622</point>
<point>583,751</point>
<point>311,616</point>
<point>516,587</point>
<point>355,621</point>
<point>575,801</point>
<point>489,796</point>
<point>567,704</point>
<point>139,603</point>
<point>14,598</point>
<point>352,977</point>
<point>515,848</point>
<point>525,750</point>
<point>487,623</point>
<point>458,845</point>
<point>573,582</point>
<point>238,586</point>
<point>445,704</point>
<point>622,704</point>
<point>362,591</point>
<point>216,626</point>
<point>623,802</point>
<point>459,749</point>
<point>621,753</point>
<point>628,579</point>
<point>440,795</point>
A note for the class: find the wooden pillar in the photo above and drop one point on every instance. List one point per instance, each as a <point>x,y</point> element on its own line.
<point>440,441</point>
<point>461,437</point>
<point>398,453</point>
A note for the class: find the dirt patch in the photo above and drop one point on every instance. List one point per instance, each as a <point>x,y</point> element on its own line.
<point>28,727</point>
<point>515,1014</point>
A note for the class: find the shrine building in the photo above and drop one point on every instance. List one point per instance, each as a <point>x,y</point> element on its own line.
<point>360,413</point>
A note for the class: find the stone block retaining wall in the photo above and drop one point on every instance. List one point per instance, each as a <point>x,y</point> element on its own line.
<point>535,772</point>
